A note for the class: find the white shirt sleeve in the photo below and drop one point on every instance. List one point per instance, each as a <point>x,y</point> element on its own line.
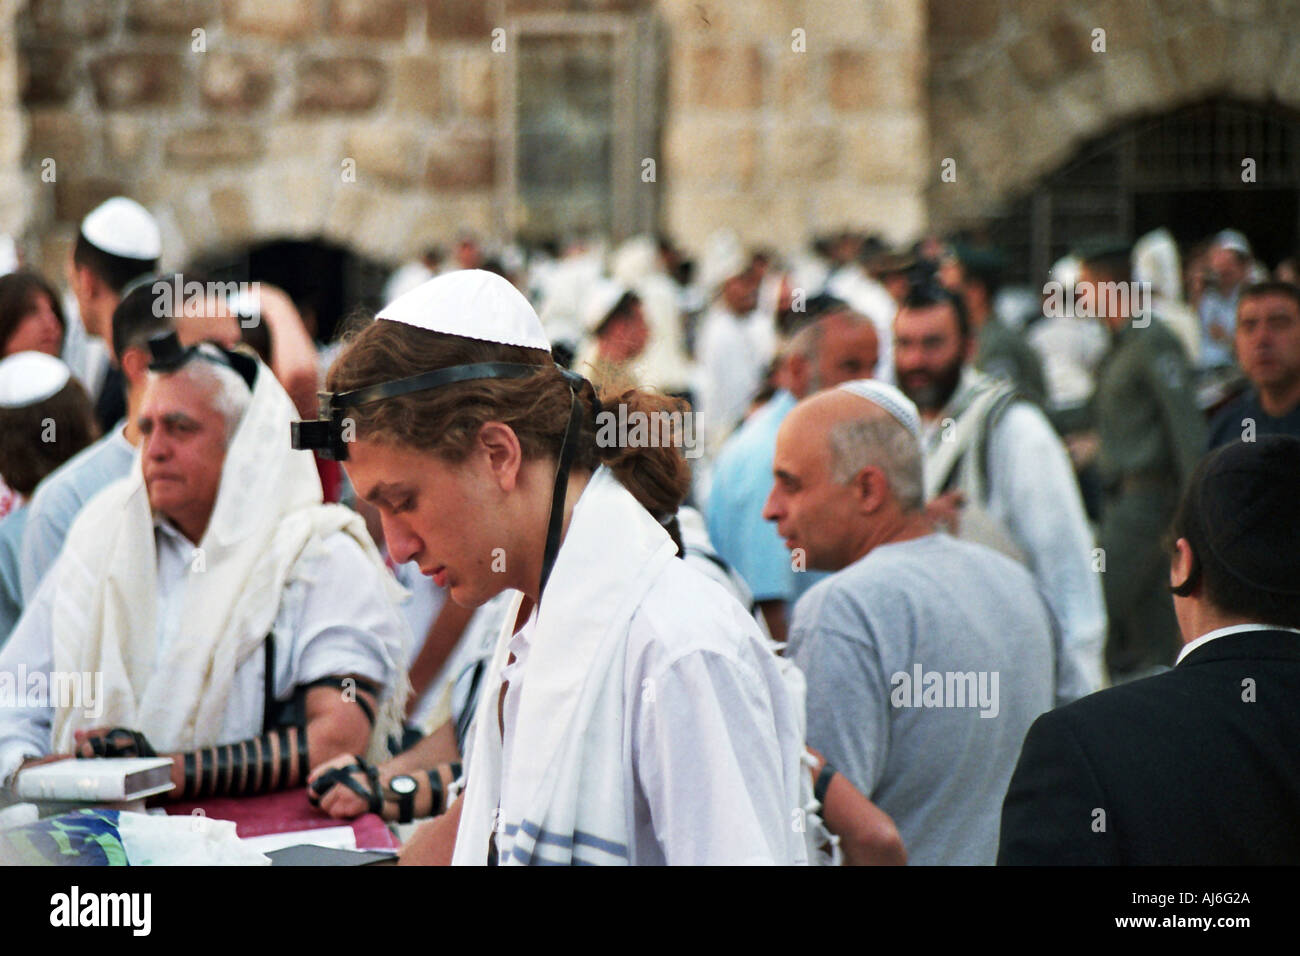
<point>708,763</point>
<point>344,619</point>
<point>1034,493</point>
<point>26,721</point>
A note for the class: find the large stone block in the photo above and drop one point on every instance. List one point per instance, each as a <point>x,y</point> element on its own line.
<point>343,84</point>
<point>459,20</point>
<point>1199,56</point>
<point>214,145</point>
<point>886,148</point>
<point>705,152</point>
<point>234,82</point>
<point>963,21</point>
<point>418,86</point>
<point>385,153</point>
<point>125,80</point>
<point>368,18</point>
<point>800,154</point>
<point>1256,55</point>
<point>48,80</point>
<point>475,73</point>
<point>461,160</point>
<point>126,139</point>
<point>871,79</point>
<point>230,213</point>
<point>75,195</point>
<point>58,134</point>
<point>725,77</point>
<point>168,16</point>
<point>67,18</point>
<point>284,19</point>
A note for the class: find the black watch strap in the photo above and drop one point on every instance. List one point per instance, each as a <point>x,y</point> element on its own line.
<point>823,782</point>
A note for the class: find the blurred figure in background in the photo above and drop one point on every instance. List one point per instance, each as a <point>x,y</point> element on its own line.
<point>45,419</point>
<point>119,241</point>
<point>30,316</point>
<point>1150,433</point>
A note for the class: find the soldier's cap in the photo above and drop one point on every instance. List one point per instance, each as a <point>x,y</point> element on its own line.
<point>1249,511</point>
<point>1103,247</point>
<point>891,263</point>
<point>1233,240</point>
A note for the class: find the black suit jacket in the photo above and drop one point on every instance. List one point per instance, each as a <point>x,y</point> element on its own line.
<point>1180,768</point>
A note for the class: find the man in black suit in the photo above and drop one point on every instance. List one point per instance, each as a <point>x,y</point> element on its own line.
<point>1200,764</point>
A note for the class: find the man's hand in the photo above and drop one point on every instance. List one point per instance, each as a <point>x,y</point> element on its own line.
<point>339,801</point>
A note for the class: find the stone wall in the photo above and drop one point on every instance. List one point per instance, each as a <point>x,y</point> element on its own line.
<point>367,122</point>
<point>781,144</point>
<point>13,183</point>
<point>1016,85</point>
<point>241,132</point>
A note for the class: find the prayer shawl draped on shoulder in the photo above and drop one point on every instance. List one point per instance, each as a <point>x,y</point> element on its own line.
<point>267,518</point>
<point>568,770</point>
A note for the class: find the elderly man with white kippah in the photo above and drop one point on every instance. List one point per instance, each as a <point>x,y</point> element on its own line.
<point>926,657</point>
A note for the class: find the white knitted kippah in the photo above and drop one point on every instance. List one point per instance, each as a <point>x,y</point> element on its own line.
<point>890,399</point>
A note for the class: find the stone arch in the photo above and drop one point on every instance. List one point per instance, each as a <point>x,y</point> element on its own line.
<point>1016,85</point>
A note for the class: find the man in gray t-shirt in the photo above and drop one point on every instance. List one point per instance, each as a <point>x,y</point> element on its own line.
<point>927,658</point>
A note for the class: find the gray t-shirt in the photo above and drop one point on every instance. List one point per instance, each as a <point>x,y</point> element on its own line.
<point>926,662</point>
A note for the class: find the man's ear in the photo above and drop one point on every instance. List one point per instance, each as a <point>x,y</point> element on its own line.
<point>798,373</point>
<point>1181,568</point>
<point>135,364</point>
<point>871,489</point>
<point>499,445</point>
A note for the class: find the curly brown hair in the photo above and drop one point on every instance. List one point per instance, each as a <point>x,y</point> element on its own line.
<point>446,421</point>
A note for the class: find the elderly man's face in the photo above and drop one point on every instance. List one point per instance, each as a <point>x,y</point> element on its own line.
<point>184,447</point>
<point>819,518</point>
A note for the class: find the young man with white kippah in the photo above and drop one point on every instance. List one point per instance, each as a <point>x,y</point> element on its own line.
<point>118,241</point>
<point>632,712</point>
<point>926,657</point>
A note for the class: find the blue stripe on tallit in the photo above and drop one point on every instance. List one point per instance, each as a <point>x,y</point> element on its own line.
<point>540,839</point>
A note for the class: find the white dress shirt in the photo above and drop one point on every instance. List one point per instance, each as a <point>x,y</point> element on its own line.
<point>1224,632</point>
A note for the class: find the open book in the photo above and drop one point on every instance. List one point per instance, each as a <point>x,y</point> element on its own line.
<point>97,780</point>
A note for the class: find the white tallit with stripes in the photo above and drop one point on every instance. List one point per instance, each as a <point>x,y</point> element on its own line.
<point>567,779</point>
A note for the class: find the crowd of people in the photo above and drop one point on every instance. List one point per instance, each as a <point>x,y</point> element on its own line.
<point>928,525</point>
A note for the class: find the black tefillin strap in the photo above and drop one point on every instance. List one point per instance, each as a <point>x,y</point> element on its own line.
<point>166,354</point>
<point>325,434</point>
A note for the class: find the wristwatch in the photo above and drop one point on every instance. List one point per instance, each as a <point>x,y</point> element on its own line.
<point>404,785</point>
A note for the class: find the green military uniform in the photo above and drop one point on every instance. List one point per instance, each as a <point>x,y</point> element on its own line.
<point>1151,434</point>
<point>1003,353</point>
